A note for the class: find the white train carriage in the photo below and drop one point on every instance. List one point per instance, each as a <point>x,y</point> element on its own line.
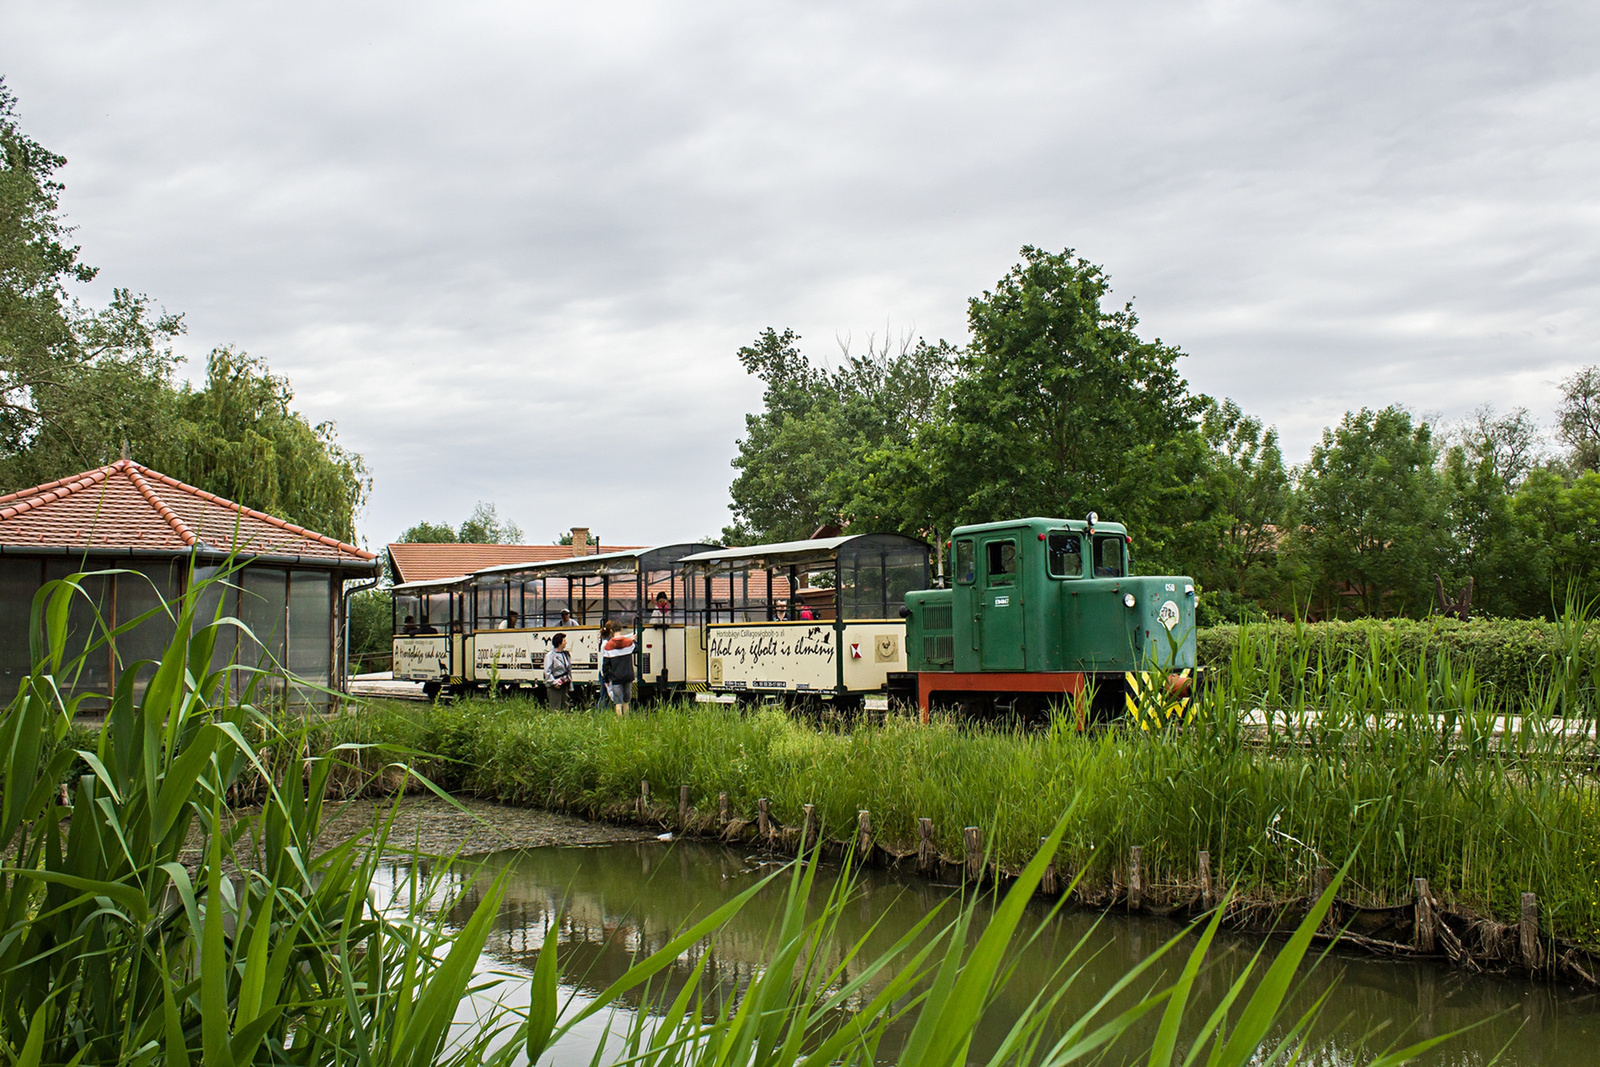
<point>432,624</point>
<point>817,617</point>
<point>518,608</point>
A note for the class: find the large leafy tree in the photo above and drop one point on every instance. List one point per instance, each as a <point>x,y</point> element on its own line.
<point>835,445</point>
<point>1233,545</point>
<point>1557,530</point>
<point>483,527</point>
<point>1373,519</point>
<point>1578,418</point>
<point>1059,407</point>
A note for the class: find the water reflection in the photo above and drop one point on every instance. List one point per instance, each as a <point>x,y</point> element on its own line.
<point>615,903</point>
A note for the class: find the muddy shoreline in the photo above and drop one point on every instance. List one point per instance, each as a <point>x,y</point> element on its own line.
<point>431,826</point>
<point>467,826</point>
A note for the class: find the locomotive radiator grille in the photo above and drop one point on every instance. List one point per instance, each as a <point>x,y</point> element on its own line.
<point>938,617</point>
<point>939,648</point>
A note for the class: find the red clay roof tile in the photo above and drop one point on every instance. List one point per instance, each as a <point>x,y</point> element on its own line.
<point>430,562</point>
<point>128,505</point>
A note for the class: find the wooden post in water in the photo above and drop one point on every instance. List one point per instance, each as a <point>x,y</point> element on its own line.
<point>722,810</point>
<point>1423,938</point>
<point>1207,897</point>
<point>683,807</point>
<point>764,819</point>
<point>1047,881</point>
<point>808,833</point>
<point>925,852</point>
<point>644,798</point>
<point>974,838</point>
<point>864,833</point>
<point>1321,878</point>
<point>1135,878</point>
<point>1528,932</point>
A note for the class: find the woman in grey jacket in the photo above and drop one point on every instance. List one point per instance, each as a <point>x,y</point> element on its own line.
<point>558,672</point>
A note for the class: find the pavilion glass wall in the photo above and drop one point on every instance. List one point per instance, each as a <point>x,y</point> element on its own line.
<point>291,616</point>
<point>151,590</point>
<point>19,580</point>
<point>311,636</point>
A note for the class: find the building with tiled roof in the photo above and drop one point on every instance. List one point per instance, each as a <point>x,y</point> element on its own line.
<point>431,562</point>
<point>286,583</point>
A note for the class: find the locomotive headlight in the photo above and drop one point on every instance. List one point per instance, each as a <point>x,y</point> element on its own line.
<point>1128,600</point>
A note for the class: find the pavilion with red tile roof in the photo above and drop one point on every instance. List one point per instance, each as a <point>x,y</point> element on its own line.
<point>288,590</point>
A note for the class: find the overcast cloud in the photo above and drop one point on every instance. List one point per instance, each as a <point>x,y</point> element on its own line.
<point>513,248</point>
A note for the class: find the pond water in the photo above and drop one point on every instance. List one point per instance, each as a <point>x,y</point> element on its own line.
<point>612,902</point>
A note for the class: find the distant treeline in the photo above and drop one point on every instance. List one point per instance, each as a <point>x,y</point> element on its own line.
<point>1056,406</point>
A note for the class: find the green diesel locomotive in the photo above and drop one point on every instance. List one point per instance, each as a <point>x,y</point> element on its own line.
<point>1041,609</point>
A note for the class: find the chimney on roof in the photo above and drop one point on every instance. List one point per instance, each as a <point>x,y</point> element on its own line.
<point>580,540</point>
<point>125,449</point>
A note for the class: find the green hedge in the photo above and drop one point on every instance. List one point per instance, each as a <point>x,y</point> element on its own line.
<point>1516,657</point>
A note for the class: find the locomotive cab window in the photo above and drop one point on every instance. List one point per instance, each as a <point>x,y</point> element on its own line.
<point>964,572</point>
<point>1108,556</point>
<point>1001,557</point>
<point>1066,555</point>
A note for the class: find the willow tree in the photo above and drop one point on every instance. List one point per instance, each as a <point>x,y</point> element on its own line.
<point>240,437</point>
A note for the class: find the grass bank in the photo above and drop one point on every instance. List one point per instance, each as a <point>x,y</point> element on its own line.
<point>1391,756</point>
<point>1267,815</point>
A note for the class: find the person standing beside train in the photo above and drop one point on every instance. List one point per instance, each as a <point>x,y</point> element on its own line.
<point>616,666</point>
<point>558,672</point>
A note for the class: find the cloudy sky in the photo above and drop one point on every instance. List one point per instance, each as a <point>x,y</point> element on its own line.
<point>512,248</point>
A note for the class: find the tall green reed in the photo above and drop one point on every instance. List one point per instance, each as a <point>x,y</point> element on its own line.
<point>144,923</point>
